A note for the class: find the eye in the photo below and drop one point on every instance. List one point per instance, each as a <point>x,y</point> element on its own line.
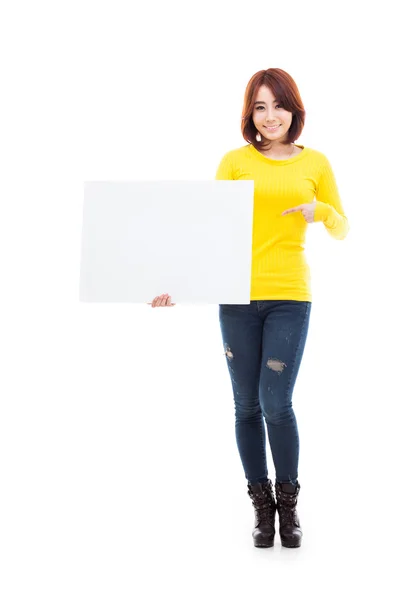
<point>263,107</point>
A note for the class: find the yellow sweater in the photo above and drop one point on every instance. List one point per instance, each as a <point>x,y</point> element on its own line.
<point>280,270</point>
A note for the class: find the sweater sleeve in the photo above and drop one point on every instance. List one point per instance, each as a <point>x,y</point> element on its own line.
<point>328,207</point>
<point>225,168</point>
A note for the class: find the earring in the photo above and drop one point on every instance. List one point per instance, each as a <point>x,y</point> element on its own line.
<point>258,137</point>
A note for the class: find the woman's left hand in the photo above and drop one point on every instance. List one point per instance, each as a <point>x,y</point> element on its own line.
<point>307,210</point>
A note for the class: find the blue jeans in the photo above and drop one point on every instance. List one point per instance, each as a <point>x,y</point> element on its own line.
<point>264,343</point>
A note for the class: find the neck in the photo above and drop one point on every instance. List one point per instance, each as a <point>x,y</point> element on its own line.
<point>280,150</point>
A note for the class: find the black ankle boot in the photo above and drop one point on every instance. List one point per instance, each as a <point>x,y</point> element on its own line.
<point>289,524</point>
<point>262,496</point>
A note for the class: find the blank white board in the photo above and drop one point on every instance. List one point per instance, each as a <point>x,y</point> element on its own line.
<point>190,239</point>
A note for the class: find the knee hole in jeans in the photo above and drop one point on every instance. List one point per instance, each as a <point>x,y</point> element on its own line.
<point>228,352</point>
<point>276,365</point>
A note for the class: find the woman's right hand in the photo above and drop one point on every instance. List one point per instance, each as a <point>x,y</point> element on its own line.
<point>163,300</point>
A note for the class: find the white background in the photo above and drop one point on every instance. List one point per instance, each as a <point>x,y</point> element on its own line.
<point>119,472</point>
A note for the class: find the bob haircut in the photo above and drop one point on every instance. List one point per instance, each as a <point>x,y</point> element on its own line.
<point>286,92</point>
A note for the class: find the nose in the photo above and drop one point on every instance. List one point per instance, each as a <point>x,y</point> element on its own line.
<point>269,115</point>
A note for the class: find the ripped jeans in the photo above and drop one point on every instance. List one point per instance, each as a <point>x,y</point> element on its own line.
<point>264,343</point>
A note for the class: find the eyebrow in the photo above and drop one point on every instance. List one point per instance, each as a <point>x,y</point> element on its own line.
<point>259,101</point>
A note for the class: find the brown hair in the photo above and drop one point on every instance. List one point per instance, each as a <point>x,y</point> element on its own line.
<point>286,92</point>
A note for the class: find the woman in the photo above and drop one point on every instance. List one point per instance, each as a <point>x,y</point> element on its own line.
<point>264,341</point>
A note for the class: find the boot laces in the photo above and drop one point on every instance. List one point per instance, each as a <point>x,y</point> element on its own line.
<point>264,504</point>
<point>287,508</point>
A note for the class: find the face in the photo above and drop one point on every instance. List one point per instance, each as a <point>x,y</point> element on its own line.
<point>268,112</point>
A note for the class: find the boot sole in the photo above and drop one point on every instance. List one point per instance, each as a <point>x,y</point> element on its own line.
<point>263,545</point>
<point>285,545</point>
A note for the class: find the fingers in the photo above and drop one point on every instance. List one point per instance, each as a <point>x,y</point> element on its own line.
<point>157,301</point>
<point>163,300</point>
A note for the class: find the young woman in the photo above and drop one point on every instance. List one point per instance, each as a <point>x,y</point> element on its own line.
<point>264,341</point>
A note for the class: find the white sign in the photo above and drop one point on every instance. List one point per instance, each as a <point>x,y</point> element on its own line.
<point>190,239</point>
